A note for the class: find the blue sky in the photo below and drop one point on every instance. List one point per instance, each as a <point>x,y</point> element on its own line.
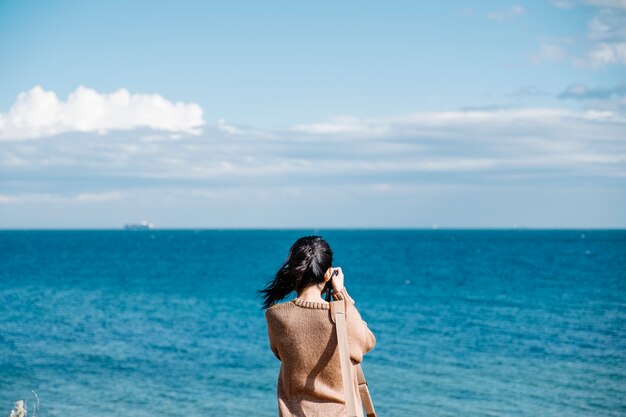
<point>254,114</point>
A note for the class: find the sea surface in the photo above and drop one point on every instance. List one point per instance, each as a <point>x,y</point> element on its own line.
<point>168,322</point>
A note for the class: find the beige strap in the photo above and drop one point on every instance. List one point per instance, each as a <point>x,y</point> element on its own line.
<point>339,314</point>
<point>339,307</point>
<point>366,398</point>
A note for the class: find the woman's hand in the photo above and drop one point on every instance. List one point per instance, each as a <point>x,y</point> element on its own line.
<point>337,279</point>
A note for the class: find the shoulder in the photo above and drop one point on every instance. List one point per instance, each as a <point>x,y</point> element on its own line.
<point>277,309</point>
<point>279,316</point>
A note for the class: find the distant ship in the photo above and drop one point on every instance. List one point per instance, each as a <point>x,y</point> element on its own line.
<point>144,225</point>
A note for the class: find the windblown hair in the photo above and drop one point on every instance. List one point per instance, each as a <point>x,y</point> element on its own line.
<point>309,258</point>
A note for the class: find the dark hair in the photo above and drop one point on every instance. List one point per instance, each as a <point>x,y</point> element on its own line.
<point>309,258</point>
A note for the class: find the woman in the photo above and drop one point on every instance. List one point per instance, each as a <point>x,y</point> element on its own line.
<point>302,334</point>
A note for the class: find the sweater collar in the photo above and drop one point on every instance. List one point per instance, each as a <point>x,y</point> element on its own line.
<point>310,304</point>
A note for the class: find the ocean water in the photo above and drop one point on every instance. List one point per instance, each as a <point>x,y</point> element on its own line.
<point>167,322</point>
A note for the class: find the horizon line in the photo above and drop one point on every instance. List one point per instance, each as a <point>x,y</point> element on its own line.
<point>418,228</point>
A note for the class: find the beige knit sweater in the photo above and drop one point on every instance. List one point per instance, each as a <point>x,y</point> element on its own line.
<point>302,336</point>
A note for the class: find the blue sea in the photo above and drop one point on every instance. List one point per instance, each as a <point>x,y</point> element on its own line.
<point>168,322</point>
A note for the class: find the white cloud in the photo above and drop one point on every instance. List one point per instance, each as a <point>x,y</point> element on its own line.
<point>509,13</point>
<point>244,131</point>
<point>246,179</point>
<point>607,3</point>
<point>438,123</point>
<point>461,144</point>
<point>345,125</point>
<point>607,32</point>
<point>4,199</point>
<point>552,49</point>
<point>528,91</point>
<point>225,127</point>
<point>604,42</point>
<point>99,197</point>
<point>38,113</point>
<point>603,54</point>
<point>38,198</point>
<point>548,52</point>
<point>563,4</point>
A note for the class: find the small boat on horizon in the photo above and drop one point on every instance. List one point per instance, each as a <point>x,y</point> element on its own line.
<point>143,225</point>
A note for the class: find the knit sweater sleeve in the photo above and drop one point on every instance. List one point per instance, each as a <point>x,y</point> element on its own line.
<point>271,332</point>
<point>361,338</point>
